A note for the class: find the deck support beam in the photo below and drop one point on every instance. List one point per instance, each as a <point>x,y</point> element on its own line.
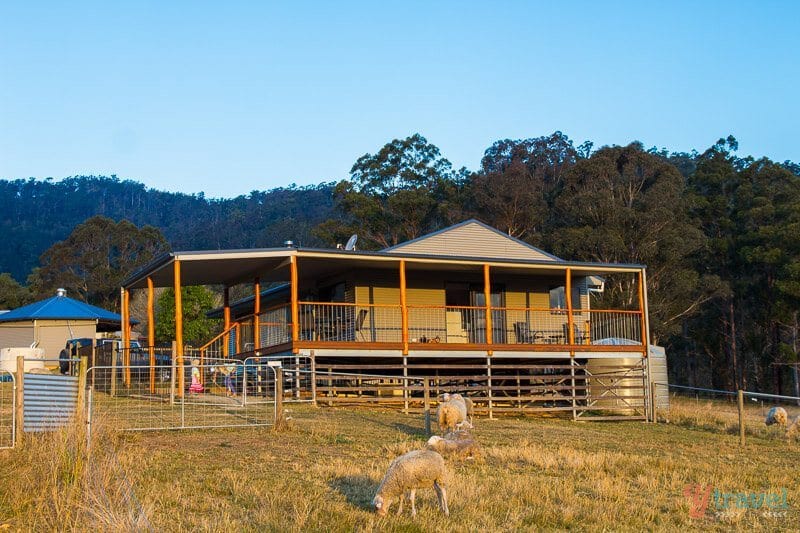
<point>151,332</point>
<point>293,288</point>
<point>256,313</point>
<point>178,326</point>
<point>487,294</point>
<point>403,306</point>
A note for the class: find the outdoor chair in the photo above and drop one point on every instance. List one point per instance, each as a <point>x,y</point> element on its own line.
<point>524,335</point>
<point>359,325</point>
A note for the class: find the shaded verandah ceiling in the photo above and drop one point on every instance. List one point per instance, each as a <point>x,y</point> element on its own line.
<point>233,267</point>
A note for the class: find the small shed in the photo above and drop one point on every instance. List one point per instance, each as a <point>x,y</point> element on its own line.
<point>50,323</point>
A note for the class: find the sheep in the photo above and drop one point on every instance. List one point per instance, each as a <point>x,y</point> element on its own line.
<point>451,413</point>
<point>793,431</point>
<point>467,403</point>
<point>777,415</point>
<point>458,447</point>
<point>458,434</point>
<point>414,470</point>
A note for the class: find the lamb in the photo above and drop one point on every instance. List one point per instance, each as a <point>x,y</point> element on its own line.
<point>457,447</point>
<point>777,415</point>
<point>451,413</point>
<point>417,469</point>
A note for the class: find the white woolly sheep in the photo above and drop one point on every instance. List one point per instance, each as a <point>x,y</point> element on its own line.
<point>777,415</point>
<point>461,448</point>
<point>451,413</point>
<point>470,406</point>
<point>418,469</point>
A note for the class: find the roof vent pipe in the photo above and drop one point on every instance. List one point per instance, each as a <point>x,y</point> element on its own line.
<point>288,244</point>
<point>61,292</point>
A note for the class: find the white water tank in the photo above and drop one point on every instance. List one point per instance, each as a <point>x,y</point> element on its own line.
<point>34,358</point>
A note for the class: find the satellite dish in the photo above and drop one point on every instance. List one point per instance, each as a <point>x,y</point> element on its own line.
<point>351,242</point>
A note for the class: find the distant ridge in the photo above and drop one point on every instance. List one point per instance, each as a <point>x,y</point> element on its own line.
<point>36,213</point>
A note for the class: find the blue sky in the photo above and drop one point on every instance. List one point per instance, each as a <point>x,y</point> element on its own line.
<point>228,97</point>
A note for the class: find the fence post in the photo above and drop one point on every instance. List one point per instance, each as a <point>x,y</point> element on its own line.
<point>427,400</point>
<point>313,379</point>
<point>172,376</point>
<point>279,420</point>
<point>114,354</point>
<point>20,400</point>
<point>94,360</point>
<point>489,385</point>
<point>654,408</point>
<point>83,368</point>
<point>90,393</point>
<point>740,397</point>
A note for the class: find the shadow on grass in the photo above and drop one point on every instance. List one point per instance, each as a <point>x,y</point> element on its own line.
<point>414,431</point>
<point>357,490</point>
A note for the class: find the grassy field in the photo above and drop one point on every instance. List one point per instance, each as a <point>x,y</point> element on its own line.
<point>321,474</point>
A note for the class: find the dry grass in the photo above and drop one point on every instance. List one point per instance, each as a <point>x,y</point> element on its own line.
<point>322,473</point>
<point>722,415</point>
<point>53,482</point>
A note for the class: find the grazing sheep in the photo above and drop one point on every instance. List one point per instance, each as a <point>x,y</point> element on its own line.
<point>467,403</point>
<point>458,434</point>
<point>777,415</point>
<point>417,469</point>
<point>451,413</point>
<point>461,448</point>
<point>793,431</point>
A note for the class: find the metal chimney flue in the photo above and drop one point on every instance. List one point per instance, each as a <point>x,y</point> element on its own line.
<point>61,292</point>
<point>288,244</point>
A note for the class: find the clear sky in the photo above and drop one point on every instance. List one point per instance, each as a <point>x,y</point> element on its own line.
<point>228,97</point>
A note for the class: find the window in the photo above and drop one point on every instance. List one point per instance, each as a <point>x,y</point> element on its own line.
<point>333,293</point>
<point>558,298</point>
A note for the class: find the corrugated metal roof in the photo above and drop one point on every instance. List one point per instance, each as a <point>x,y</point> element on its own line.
<point>60,308</point>
<point>475,239</point>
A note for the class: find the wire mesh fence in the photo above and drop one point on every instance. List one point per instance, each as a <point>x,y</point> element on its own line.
<point>7,408</point>
<point>756,415</point>
<point>227,393</point>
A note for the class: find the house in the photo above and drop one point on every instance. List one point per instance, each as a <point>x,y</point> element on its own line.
<point>465,303</point>
<point>49,323</point>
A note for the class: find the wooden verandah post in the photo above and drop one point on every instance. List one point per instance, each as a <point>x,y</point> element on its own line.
<point>295,305</point>
<point>256,313</point>
<point>226,317</point>
<point>151,332</point>
<point>178,355</point>
<point>126,336</point>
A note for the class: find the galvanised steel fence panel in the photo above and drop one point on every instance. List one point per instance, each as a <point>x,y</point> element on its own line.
<point>49,401</point>
<point>217,394</point>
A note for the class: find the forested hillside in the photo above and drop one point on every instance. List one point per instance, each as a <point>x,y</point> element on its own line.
<point>35,214</point>
<point>719,232</point>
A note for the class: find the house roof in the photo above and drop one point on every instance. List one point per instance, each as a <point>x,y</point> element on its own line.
<point>231,267</point>
<point>60,308</point>
<point>472,238</point>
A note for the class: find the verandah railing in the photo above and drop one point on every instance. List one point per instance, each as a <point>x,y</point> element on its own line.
<point>383,323</point>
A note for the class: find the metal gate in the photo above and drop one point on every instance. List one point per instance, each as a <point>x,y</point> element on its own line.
<point>221,393</point>
<point>49,401</point>
<point>8,407</point>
